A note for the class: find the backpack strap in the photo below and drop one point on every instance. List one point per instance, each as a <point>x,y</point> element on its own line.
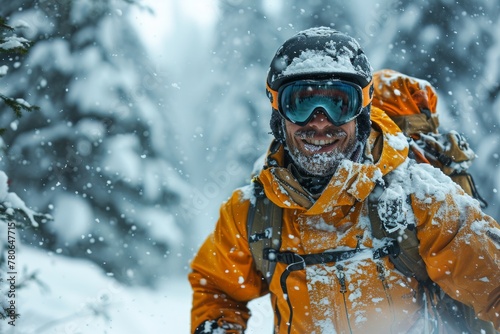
<point>409,262</point>
<point>264,230</point>
<point>466,182</point>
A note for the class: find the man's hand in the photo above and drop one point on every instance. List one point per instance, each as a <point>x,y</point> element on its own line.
<point>218,327</point>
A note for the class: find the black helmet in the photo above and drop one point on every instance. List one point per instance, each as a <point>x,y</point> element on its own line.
<point>318,54</point>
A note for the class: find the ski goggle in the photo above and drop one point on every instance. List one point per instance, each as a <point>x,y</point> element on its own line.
<point>341,101</point>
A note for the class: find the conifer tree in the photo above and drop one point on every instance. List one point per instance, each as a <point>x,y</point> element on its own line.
<point>97,155</point>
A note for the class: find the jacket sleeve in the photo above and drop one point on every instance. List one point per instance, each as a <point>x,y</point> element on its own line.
<point>459,243</point>
<point>223,277</point>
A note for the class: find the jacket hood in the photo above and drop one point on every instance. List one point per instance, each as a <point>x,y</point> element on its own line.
<point>387,148</point>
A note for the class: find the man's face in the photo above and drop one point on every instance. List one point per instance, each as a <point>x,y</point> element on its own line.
<point>319,146</point>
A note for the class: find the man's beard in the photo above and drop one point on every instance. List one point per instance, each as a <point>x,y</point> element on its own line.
<point>326,163</point>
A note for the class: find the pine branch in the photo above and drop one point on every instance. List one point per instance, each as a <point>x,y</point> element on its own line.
<point>3,25</point>
<point>22,218</point>
<point>12,44</point>
<point>18,105</point>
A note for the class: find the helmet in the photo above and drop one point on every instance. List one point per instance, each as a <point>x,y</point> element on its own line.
<point>318,54</point>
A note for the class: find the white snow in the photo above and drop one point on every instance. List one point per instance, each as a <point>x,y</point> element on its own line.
<point>76,296</point>
<point>398,141</point>
<point>334,58</point>
<point>13,42</point>
<point>248,193</point>
<point>3,70</point>
<point>12,201</point>
<point>311,61</point>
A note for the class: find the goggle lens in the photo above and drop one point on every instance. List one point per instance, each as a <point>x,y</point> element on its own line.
<point>340,101</point>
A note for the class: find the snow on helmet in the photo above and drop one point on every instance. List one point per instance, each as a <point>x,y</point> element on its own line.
<point>318,54</point>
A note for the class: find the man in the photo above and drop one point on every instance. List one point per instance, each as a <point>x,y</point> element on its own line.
<point>321,170</point>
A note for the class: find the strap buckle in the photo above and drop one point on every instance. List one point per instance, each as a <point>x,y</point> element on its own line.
<point>272,255</point>
<point>391,248</point>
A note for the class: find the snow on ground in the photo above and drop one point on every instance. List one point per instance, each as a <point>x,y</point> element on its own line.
<point>77,297</point>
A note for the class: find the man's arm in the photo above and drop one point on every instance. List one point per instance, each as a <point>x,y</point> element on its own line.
<point>223,276</point>
<point>459,244</point>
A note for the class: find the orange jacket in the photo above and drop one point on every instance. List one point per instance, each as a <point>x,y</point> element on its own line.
<point>361,295</point>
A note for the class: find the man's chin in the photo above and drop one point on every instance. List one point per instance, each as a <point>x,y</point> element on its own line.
<point>318,164</point>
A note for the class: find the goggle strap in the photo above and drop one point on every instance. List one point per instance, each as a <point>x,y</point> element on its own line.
<point>367,94</point>
<point>273,96</point>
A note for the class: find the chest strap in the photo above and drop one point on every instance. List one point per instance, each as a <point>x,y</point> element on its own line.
<point>391,248</point>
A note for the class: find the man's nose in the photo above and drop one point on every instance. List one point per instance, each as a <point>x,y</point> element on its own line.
<point>319,118</point>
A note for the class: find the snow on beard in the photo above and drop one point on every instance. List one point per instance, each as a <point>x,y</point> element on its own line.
<point>320,164</point>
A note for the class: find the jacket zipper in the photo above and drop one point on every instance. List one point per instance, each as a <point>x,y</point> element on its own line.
<point>343,289</point>
<point>289,186</point>
<point>382,277</point>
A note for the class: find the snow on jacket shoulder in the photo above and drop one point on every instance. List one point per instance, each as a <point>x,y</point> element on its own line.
<point>361,294</point>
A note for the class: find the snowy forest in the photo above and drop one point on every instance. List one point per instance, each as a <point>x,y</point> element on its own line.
<point>120,139</point>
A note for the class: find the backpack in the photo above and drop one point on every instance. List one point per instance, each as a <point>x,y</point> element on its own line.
<point>411,103</point>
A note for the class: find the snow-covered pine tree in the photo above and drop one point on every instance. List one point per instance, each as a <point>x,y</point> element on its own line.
<point>237,89</point>
<point>228,130</point>
<point>12,46</point>
<point>98,151</point>
<point>15,216</point>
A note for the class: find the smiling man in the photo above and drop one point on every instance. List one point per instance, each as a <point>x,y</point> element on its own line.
<point>312,246</point>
